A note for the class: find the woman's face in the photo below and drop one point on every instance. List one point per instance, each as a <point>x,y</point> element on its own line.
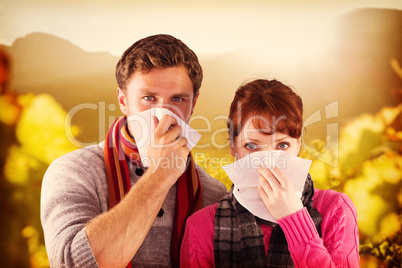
<point>251,140</point>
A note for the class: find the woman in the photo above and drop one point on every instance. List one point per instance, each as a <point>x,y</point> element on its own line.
<point>317,230</point>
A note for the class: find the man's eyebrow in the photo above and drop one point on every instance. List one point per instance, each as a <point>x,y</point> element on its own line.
<point>153,93</point>
<point>183,95</point>
<point>147,92</point>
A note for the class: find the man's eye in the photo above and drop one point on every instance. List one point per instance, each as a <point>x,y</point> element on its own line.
<point>251,146</point>
<point>149,98</point>
<point>283,146</point>
<point>177,99</point>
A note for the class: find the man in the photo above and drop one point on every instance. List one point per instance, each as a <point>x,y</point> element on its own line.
<point>99,206</point>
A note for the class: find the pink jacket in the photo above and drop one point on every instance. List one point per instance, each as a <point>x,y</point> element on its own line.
<point>338,247</point>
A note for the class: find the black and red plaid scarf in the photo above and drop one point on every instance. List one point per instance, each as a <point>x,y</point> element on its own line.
<point>120,148</point>
<point>238,237</point>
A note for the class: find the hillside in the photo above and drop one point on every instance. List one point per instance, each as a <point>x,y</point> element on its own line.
<point>355,72</point>
<point>47,64</point>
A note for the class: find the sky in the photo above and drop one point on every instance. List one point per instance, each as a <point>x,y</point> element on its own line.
<point>285,28</point>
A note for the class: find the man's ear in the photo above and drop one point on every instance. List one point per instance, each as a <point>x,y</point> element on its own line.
<point>122,98</point>
<point>195,101</point>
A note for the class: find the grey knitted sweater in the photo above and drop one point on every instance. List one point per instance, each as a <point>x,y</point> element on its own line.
<point>74,191</point>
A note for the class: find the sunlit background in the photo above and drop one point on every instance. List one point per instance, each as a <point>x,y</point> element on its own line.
<point>343,57</point>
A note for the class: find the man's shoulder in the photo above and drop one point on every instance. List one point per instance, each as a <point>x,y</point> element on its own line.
<point>81,171</point>
<point>81,165</point>
<point>209,181</point>
<point>213,189</point>
<point>83,156</point>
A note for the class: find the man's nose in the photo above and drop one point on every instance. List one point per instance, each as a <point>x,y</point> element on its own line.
<point>163,103</point>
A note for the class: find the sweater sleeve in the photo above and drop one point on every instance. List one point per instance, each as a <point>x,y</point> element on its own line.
<point>70,198</point>
<point>339,246</point>
<point>197,249</point>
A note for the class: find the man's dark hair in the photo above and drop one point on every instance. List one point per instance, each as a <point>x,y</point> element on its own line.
<point>158,51</point>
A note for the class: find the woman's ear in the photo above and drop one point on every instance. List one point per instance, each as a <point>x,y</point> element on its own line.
<point>231,145</point>
<point>298,145</point>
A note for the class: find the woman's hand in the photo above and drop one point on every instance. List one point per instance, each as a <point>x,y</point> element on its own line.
<point>278,193</point>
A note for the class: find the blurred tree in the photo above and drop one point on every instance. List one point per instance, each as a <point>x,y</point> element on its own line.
<point>41,136</point>
<point>13,247</point>
<point>370,172</point>
<point>32,135</point>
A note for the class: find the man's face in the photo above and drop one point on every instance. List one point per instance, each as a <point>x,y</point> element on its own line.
<point>169,88</point>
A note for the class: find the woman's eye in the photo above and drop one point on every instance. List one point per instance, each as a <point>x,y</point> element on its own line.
<point>149,98</point>
<point>283,146</point>
<point>251,146</point>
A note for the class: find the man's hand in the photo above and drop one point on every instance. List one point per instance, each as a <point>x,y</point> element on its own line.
<point>121,231</point>
<point>167,151</point>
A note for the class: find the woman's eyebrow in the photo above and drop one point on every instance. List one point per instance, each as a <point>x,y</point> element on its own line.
<point>281,139</point>
<point>250,140</point>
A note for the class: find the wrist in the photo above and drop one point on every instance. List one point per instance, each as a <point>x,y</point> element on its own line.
<point>298,228</point>
<point>160,178</point>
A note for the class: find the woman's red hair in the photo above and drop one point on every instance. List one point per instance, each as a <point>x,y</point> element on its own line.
<point>271,105</point>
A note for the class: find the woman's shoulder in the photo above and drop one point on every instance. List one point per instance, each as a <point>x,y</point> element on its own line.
<point>326,197</point>
<point>201,222</point>
<point>328,202</point>
<point>204,214</point>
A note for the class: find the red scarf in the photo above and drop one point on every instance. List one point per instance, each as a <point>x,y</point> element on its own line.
<point>120,147</point>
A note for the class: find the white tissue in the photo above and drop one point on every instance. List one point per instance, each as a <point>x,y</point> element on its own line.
<point>140,126</point>
<point>244,175</point>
